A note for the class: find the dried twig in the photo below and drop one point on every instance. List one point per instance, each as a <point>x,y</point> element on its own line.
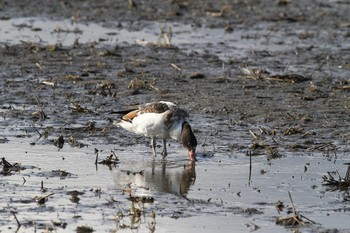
<point>253,134</point>
<point>96,152</point>
<point>293,206</point>
<point>250,168</point>
<point>175,66</point>
<point>14,215</point>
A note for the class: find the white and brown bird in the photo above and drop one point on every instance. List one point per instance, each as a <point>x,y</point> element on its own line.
<point>161,120</point>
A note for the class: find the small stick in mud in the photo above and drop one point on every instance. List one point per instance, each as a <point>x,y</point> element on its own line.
<point>131,4</point>
<point>293,206</point>
<point>250,168</point>
<point>18,223</point>
<point>175,67</point>
<point>96,152</point>
<point>253,134</point>
<point>40,114</point>
<point>41,200</point>
<point>5,163</point>
<point>40,135</point>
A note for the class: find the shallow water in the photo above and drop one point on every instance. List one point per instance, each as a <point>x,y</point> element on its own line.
<point>215,191</point>
<point>235,45</point>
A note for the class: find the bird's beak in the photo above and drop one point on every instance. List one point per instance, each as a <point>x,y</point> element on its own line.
<point>192,155</point>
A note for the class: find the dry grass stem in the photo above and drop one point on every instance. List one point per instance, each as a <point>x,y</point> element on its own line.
<point>175,66</point>
<point>295,220</point>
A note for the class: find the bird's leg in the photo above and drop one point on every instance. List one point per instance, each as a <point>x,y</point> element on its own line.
<point>153,144</point>
<point>164,152</point>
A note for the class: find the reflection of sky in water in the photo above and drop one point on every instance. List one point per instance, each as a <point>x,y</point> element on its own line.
<point>211,187</point>
<point>189,38</point>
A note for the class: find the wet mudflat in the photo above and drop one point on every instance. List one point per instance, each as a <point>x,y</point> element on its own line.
<point>263,82</point>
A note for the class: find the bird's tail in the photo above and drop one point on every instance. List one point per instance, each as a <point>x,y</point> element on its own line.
<point>122,111</point>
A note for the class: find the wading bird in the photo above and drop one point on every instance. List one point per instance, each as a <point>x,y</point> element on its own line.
<point>161,120</point>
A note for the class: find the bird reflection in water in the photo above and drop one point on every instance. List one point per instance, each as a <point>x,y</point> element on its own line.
<point>176,181</point>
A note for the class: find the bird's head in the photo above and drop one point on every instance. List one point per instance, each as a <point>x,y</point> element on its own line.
<point>188,140</point>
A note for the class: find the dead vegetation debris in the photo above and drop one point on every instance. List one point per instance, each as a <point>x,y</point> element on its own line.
<point>197,75</point>
<point>263,74</point>
<point>224,10</point>
<point>61,173</point>
<point>84,229</point>
<point>343,85</point>
<point>264,142</point>
<point>7,167</point>
<point>137,212</point>
<point>101,88</point>
<point>90,127</point>
<point>73,142</point>
<point>295,220</point>
<point>110,160</point>
<point>164,40</point>
<point>294,130</point>
<point>77,108</point>
<point>137,84</point>
<point>72,78</point>
<point>42,199</point>
<point>339,183</point>
<point>142,199</point>
<point>327,147</point>
<point>279,206</point>
<point>128,172</point>
<point>75,196</point>
<point>59,142</point>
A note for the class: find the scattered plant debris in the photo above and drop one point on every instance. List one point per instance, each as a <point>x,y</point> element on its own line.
<point>323,147</point>
<point>8,167</point>
<point>84,229</point>
<point>137,84</point>
<point>252,226</point>
<point>90,127</point>
<point>62,174</point>
<point>75,196</point>
<point>263,74</point>
<point>294,130</point>
<point>164,40</point>
<point>295,220</point>
<point>112,159</point>
<point>42,199</point>
<point>128,172</point>
<point>59,142</point>
<point>340,183</point>
<point>75,143</point>
<point>77,108</point>
<point>103,88</point>
<point>142,199</point>
<point>279,206</point>
<point>197,75</point>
